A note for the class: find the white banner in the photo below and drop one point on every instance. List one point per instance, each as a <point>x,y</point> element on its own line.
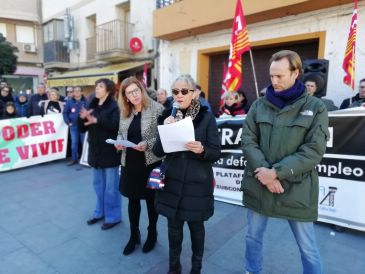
<point>30,141</point>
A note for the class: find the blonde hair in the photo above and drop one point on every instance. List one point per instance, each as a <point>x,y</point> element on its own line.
<point>293,58</point>
<point>125,106</point>
<point>52,90</point>
<point>234,94</point>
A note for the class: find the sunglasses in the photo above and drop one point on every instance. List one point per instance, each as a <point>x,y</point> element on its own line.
<point>183,91</point>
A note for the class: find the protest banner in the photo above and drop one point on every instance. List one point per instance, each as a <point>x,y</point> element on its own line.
<point>341,171</point>
<point>30,141</point>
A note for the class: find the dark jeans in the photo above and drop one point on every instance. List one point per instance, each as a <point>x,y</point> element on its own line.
<point>197,235</point>
<point>76,137</point>
<point>134,211</point>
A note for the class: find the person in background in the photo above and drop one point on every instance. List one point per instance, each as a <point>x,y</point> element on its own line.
<point>2,106</point>
<point>101,119</point>
<point>69,93</point>
<point>22,105</point>
<point>9,111</point>
<point>53,105</point>
<point>283,139</point>
<point>6,94</point>
<point>312,87</point>
<point>34,106</point>
<point>232,105</point>
<point>358,99</point>
<point>151,93</point>
<point>243,100</point>
<point>161,95</point>
<point>3,83</point>
<point>200,95</point>
<point>71,113</point>
<point>138,124</point>
<point>188,193</point>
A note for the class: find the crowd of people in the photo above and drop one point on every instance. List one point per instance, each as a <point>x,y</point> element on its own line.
<point>279,181</point>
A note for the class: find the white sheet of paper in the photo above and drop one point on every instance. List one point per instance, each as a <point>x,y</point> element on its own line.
<point>174,136</point>
<point>125,143</point>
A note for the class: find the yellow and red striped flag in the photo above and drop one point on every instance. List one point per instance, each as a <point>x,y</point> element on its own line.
<point>239,45</point>
<point>348,64</point>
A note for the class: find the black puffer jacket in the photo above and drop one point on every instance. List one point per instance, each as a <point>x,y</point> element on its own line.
<point>101,154</point>
<point>188,193</point>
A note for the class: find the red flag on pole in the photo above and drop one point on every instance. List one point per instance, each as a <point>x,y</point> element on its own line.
<point>224,89</point>
<point>239,45</point>
<point>348,64</point>
<point>145,74</point>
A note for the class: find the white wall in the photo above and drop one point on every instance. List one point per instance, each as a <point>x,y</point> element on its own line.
<point>105,10</point>
<point>180,56</point>
<point>19,9</point>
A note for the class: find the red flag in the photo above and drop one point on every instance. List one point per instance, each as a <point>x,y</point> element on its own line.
<point>144,80</point>
<point>239,45</point>
<point>348,64</point>
<point>224,89</point>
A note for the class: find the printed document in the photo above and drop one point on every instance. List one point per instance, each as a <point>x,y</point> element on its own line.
<point>125,143</point>
<point>175,136</point>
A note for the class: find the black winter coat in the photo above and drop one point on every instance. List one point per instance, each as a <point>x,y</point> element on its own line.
<point>188,193</point>
<point>34,108</point>
<point>101,154</point>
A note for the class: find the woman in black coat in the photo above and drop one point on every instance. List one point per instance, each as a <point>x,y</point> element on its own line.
<point>188,194</point>
<point>101,120</point>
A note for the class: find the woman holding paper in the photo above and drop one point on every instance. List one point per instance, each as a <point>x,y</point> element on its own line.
<point>188,193</point>
<point>101,121</point>
<point>138,124</point>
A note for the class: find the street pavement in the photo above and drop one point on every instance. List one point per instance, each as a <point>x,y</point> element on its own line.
<point>43,213</point>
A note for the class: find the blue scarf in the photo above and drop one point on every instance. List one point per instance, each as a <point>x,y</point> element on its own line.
<point>285,97</point>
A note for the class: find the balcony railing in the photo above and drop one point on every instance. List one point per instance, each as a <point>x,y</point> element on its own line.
<point>91,48</point>
<point>112,36</point>
<point>165,3</point>
<point>55,52</point>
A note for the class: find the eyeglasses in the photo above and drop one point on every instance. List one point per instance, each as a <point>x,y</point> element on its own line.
<point>136,91</point>
<point>183,91</point>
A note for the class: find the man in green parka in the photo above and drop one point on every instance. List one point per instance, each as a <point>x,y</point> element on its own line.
<point>283,139</point>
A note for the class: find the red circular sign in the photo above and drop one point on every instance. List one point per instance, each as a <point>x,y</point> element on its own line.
<point>135,44</point>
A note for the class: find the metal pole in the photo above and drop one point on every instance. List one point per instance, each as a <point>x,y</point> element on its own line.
<point>254,74</point>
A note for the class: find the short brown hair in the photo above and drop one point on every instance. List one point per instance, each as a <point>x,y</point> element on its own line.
<point>295,63</point>
<point>125,106</point>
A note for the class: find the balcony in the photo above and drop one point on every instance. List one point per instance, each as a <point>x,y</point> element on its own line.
<point>178,19</point>
<point>165,3</point>
<point>56,55</point>
<point>112,41</point>
<point>91,48</point>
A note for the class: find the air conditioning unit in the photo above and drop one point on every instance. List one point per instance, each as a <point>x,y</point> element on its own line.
<point>29,48</point>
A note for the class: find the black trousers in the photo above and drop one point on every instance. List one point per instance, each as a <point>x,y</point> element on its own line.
<point>197,235</point>
<point>134,212</point>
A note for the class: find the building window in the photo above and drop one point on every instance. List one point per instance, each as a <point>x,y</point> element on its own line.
<point>3,29</point>
<point>24,34</point>
<point>53,31</point>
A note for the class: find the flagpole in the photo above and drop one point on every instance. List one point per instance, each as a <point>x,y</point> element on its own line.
<point>254,74</point>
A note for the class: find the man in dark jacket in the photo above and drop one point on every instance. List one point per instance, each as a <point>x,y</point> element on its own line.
<point>70,116</point>
<point>283,139</point>
<point>34,108</point>
<point>357,100</point>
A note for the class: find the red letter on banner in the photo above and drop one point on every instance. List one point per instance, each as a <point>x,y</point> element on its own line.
<point>8,133</point>
<point>3,158</point>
